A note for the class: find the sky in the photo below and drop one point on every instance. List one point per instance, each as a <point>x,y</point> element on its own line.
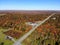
<point>29,4</point>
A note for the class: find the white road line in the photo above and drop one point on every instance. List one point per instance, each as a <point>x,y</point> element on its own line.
<point>18,42</point>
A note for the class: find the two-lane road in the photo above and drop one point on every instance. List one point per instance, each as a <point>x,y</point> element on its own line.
<point>18,42</point>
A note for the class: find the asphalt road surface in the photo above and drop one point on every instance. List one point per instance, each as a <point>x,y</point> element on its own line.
<point>18,42</point>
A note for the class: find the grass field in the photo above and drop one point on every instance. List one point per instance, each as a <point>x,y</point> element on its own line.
<point>2,38</point>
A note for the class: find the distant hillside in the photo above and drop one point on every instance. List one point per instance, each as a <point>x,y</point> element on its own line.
<point>29,11</point>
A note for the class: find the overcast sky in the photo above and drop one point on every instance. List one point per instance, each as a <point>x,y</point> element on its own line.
<point>29,4</point>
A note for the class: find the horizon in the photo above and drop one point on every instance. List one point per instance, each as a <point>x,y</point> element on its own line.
<point>29,4</point>
<point>29,10</point>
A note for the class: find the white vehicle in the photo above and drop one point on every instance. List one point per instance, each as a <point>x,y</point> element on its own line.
<point>54,18</point>
<point>10,38</point>
<point>32,24</point>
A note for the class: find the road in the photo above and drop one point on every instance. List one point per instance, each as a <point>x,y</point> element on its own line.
<point>2,14</point>
<point>18,42</point>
